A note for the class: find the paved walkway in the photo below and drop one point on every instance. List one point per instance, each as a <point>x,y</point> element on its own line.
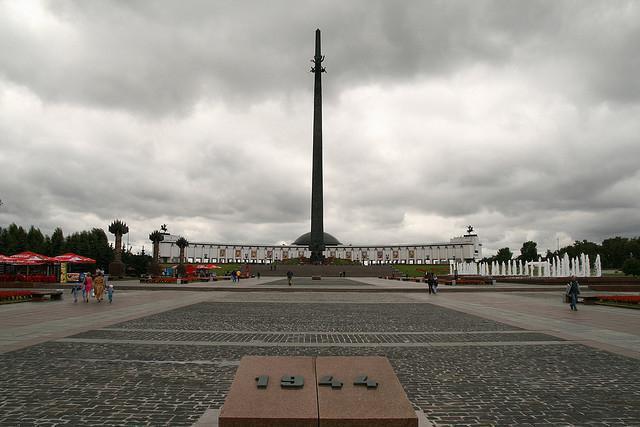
<point>608,328</point>
<point>306,284</point>
<point>464,358</point>
<point>28,323</point>
<point>612,329</point>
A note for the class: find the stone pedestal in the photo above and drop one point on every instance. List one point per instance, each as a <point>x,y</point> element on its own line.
<point>248,405</point>
<point>378,400</point>
<point>116,269</point>
<point>335,392</point>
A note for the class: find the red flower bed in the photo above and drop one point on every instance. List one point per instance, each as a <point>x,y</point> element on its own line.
<point>33,278</point>
<point>470,282</point>
<point>162,279</point>
<point>624,299</point>
<point>36,278</point>
<point>15,296</point>
<point>5,294</point>
<point>196,279</point>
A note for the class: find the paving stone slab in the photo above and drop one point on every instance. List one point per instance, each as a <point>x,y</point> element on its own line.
<point>152,384</point>
<point>364,392</point>
<point>303,317</point>
<point>249,404</point>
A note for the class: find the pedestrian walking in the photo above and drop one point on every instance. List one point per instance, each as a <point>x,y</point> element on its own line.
<point>573,290</point>
<point>88,286</point>
<point>98,286</point>
<point>75,290</point>
<point>290,277</point>
<point>110,292</point>
<point>430,282</point>
<point>435,284</point>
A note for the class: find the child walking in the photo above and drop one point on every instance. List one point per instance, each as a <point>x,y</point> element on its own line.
<point>75,290</point>
<point>110,292</point>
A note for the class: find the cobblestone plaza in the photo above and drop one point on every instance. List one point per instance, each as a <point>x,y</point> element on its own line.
<point>170,366</point>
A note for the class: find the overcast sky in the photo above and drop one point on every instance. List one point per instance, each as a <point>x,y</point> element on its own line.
<point>521,118</point>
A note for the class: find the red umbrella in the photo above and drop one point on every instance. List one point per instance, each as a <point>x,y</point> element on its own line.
<point>74,259</point>
<point>29,258</point>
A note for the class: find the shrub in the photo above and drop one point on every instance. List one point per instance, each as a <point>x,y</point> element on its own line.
<point>631,267</point>
<point>181,270</point>
<point>625,299</point>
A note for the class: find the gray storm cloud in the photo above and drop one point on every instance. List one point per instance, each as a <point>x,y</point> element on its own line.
<point>517,117</point>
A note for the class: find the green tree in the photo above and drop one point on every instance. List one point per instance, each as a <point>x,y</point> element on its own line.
<point>4,234</point>
<point>633,247</point>
<point>529,251</point>
<point>35,240</point>
<point>137,264</point>
<point>181,270</point>
<point>581,247</point>
<point>156,237</point>
<point>118,228</point>
<point>182,243</point>
<point>503,255</point>
<point>631,267</point>
<point>93,244</point>
<point>13,240</point>
<point>614,252</point>
<point>56,246</point>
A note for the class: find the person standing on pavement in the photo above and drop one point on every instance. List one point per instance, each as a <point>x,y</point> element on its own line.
<point>573,290</point>
<point>434,278</point>
<point>290,277</point>
<point>430,282</point>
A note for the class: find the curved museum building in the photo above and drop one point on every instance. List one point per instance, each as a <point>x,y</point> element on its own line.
<point>458,249</point>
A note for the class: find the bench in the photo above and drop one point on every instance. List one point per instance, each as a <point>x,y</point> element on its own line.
<point>54,295</point>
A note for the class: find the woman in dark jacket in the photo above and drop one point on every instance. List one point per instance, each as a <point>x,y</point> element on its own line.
<point>573,290</point>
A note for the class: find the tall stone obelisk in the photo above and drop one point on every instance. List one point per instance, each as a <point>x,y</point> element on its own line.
<point>316,241</point>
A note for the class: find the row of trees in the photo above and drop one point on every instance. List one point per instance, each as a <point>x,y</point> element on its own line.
<point>93,244</point>
<point>614,252</point>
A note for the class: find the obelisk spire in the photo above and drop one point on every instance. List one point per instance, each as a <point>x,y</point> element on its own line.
<point>316,241</point>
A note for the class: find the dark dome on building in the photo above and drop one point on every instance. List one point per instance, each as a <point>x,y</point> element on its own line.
<point>305,240</point>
